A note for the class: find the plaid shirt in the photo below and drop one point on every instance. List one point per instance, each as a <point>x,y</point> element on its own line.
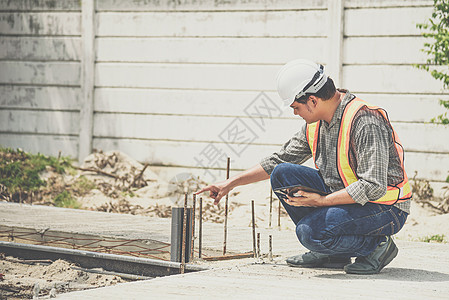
<point>372,154</point>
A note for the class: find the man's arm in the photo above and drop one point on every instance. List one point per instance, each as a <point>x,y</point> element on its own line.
<point>295,151</point>
<point>372,142</point>
<point>311,199</point>
<point>220,189</point>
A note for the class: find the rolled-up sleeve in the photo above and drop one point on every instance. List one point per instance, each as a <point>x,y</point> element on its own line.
<point>371,150</point>
<point>296,151</point>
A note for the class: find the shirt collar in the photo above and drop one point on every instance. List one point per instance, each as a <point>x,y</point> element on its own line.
<point>341,107</point>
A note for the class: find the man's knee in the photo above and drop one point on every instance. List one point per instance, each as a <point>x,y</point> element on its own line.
<point>304,233</point>
<point>277,177</point>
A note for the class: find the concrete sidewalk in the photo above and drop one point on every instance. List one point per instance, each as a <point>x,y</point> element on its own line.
<point>421,270</point>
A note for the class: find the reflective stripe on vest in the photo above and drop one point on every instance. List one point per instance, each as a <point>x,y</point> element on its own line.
<point>395,194</point>
<point>313,130</point>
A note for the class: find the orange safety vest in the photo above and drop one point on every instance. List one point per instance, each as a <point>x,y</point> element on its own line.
<point>395,194</point>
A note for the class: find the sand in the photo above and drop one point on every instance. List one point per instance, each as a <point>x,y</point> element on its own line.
<point>27,279</point>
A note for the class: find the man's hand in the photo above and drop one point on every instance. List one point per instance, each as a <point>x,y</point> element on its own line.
<point>216,190</point>
<point>302,198</point>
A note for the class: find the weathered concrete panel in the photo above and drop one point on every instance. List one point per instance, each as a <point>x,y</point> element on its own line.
<point>199,5</point>
<point>45,144</point>
<point>48,122</point>
<point>40,48</point>
<point>182,102</point>
<point>429,166</point>
<point>191,128</point>
<point>421,137</point>
<point>51,73</point>
<point>385,21</point>
<point>51,98</point>
<point>46,23</point>
<point>216,24</point>
<point>390,79</point>
<point>214,50</point>
<point>384,50</point>
<point>186,76</point>
<point>420,108</point>
<point>181,153</point>
<point>40,5</point>
<point>386,3</point>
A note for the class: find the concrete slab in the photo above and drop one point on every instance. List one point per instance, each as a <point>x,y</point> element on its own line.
<point>132,227</point>
<point>421,271</point>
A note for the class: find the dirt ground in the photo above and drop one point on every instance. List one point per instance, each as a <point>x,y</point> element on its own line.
<point>26,279</point>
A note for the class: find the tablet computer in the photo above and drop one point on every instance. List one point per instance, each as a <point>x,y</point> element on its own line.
<point>292,190</point>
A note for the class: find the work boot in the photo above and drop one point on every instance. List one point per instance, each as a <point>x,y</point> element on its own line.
<point>313,259</point>
<point>376,261</point>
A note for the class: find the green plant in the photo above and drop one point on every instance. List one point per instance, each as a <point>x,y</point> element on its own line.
<point>20,171</point>
<point>437,238</point>
<point>82,186</point>
<point>128,194</point>
<point>437,30</point>
<point>65,199</point>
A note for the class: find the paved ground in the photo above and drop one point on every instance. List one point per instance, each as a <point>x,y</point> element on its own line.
<point>421,270</point>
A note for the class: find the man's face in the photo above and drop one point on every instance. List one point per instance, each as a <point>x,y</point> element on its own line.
<point>304,110</point>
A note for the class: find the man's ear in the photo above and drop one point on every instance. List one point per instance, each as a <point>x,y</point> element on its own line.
<point>313,100</point>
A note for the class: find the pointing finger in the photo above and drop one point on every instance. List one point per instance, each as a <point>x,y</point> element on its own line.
<point>207,188</point>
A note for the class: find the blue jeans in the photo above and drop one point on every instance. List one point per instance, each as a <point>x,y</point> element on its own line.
<point>343,230</point>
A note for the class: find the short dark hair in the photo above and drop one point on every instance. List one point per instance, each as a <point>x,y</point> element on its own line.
<point>326,92</point>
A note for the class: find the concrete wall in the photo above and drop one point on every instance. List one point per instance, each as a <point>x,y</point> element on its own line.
<point>179,83</point>
<point>40,75</point>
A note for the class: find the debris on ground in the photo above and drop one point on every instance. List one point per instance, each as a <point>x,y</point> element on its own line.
<point>423,195</point>
<point>106,181</point>
<point>215,213</point>
<point>114,173</point>
<point>44,278</point>
<point>181,184</point>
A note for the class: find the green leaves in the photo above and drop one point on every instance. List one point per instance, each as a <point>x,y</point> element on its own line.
<point>436,238</point>
<point>437,30</point>
<point>65,199</point>
<point>19,171</point>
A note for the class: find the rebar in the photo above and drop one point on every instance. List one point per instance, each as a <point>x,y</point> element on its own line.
<point>258,245</point>
<point>254,227</point>
<point>193,228</point>
<point>226,208</point>
<point>270,247</point>
<point>200,231</point>
<point>271,208</point>
<point>279,214</point>
<point>229,256</point>
<point>183,249</point>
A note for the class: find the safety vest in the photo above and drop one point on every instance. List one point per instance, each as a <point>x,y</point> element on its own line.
<point>395,194</point>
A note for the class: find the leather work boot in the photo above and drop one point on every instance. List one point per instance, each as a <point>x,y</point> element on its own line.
<point>376,261</point>
<point>314,259</point>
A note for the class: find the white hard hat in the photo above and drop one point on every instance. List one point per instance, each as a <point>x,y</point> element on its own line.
<point>298,77</point>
